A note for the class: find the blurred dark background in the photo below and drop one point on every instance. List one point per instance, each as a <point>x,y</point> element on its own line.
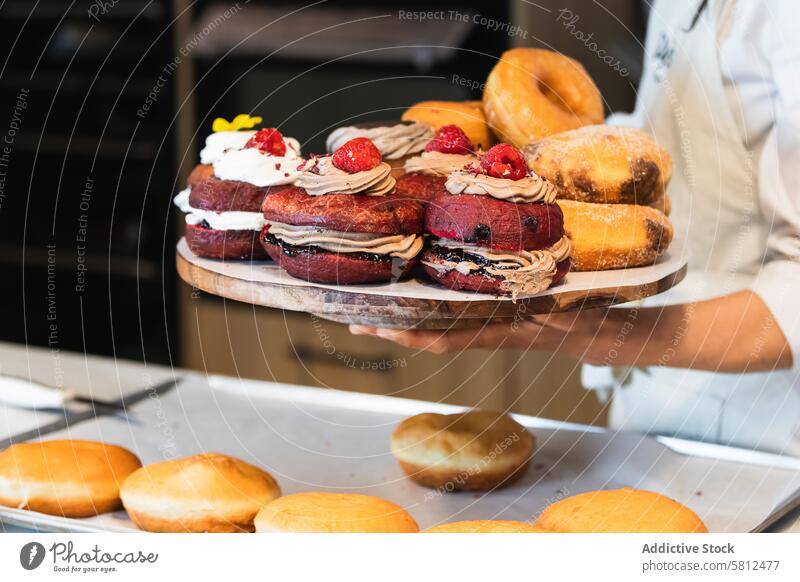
<point>104,106</point>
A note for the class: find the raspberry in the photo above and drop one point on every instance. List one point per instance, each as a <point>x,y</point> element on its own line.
<point>268,141</point>
<point>450,139</point>
<point>504,161</point>
<point>357,155</point>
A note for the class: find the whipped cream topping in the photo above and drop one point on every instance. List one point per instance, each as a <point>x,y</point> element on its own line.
<point>181,200</point>
<point>252,166</point>
<point>221,141</point>
<point>438,163</point>
<point>228,220</point>
<point>320,177</point>
<point>403,246</point>
<point>393,141</point>
<point>528,189</point>
<point>522,272</point>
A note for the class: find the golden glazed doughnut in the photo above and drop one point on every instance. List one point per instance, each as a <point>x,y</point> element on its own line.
<point>534,93</point>
<point>475,450</point>
<point>468,115</point>
<point>71,478</point>
<point>614,236</point>
<point>602,163</point>
<point>319,512</point>
<point>202,493</point>
<point>486,526</point>
<point>620,511</point>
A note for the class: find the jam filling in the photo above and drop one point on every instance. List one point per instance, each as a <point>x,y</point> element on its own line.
<point>297,250</point>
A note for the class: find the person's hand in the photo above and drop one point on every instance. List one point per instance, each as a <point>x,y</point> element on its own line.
<point>574,332</point>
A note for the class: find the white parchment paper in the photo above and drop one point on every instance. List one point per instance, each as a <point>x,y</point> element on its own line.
<point>318,439</point>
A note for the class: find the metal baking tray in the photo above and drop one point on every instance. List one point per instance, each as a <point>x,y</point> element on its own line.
<point>324,439</point>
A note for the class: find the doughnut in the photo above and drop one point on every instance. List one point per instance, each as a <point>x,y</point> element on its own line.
<point>209,492</point>
<point>345,212</point>
<point>614,236</point>
<point>199,173</point>
<point>318,512</point>
<point>620,511</point>
<point>341,215</point>
<point>70,478</point>
<point>486,526</point>
<point>473,450</point>
<point>220,196</point>
<point>603,163</point>
<point>468,115</point>
<point>224,244</point>
<point>534,93</point>
<point>420,187</point>
<point>494,223</point>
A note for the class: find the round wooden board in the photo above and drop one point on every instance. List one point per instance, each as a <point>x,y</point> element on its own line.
<point>344,306</point>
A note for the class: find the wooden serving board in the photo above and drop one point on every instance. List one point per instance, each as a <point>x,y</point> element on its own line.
<point>417,303</point>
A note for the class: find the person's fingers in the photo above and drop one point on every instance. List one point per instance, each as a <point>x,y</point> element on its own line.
<point>438,341</point>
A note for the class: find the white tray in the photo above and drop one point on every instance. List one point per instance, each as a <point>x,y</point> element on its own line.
<point>323,439</point>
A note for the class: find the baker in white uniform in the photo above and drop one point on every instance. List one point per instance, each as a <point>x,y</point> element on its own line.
<point>717,358</point>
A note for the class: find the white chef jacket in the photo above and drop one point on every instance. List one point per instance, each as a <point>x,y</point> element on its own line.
<point>723,97</point>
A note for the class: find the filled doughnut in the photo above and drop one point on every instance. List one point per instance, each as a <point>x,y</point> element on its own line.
<point>71,478</point>
<point>614,236</point>
<point>468,115</point>
<point>620,511</point>
<point>224,219</point>
<point>319,512</point>
<point>603,163</point>
<point>222,200</point>
<point>497,229</point>
<point>533,93</point>
<point>202,493</point>
<point>342,222</point>
<point>474,450</point>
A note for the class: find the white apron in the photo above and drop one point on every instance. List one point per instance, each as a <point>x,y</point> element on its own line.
<point>683,103</point>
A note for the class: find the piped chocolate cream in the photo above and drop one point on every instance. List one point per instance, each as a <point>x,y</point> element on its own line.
<point>403,246</point>
<point>529,189</point>
<point>438,163</point>
<point>522,272</point>
<point>320,176</point>
<point>393,141</point>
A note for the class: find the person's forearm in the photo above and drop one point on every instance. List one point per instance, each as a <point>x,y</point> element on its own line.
<point>735,333</point>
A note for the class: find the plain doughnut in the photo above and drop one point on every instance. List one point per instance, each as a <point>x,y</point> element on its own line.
<point>71,478</point>
<point>534,93</point>
<point>203,493</point>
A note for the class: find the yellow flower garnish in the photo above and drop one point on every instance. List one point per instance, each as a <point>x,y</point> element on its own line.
<point>241,121</point>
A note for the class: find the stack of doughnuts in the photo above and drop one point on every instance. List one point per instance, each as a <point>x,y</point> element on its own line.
<point>238,168</point>
<point>611,181</point>
<point>497,229</point>
<point>342,222</point>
